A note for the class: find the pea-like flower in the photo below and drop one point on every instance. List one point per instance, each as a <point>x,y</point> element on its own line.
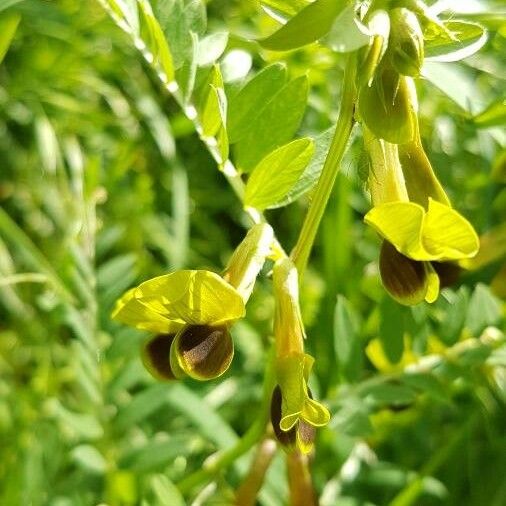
<point>423,235</point>
<point>294,413</point>
<point>191,312</point>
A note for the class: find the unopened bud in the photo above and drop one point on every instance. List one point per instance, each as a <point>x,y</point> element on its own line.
<point>388,106</point>
<point>406,42</point>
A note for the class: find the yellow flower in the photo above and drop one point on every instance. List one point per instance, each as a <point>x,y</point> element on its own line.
<point>191,311</point>
<point>294,413</point>
<point>414,216</point>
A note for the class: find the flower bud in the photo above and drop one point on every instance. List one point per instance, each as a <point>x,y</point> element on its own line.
<point>202,352</point>
<point>249,258</point>
<point>406,42</point>
<point>404,279</point>
<point>156,357</point>
<point>388,106</point>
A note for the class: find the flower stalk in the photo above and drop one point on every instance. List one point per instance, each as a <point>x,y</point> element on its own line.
<point>331,166</point>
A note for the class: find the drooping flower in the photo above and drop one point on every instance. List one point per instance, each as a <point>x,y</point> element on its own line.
<point>413,214</point>
<point>191,312</point>
<point>294,413</point>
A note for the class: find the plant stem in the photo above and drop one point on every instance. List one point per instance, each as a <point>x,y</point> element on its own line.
<point>247,493</point>
<point>299,480</point>
<point>345,121</point>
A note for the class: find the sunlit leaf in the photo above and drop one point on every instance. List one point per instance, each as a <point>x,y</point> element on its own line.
<point>468,39</point>
<point>277,173</point>
<point>308,25</point>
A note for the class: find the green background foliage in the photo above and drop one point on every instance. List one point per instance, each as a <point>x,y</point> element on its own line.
<point>104,183</point>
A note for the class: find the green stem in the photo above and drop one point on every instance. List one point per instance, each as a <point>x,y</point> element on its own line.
<point>252,436</point>
<point>345,121</point>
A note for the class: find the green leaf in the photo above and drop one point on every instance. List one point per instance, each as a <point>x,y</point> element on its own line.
<point>308,25</point>
<point>283,8</point>
<point>157,453</point>
<point>389,394</point>
<point>274,124</point>
<point>468,38</point>
<point>311,174</point>
<point>248,104</point>
<point>8,26</point>
<point>214,113</point>
<point>455,316</point>
<point>165,491</point>
<point>347,33</point>
<point>179,18</point>
<point>210,48</point>
<point>5,4</point>
<point>493,115</point>
<point>89,458</point>
<point>484,310</point>
<point>346,338</point>
<point>155,40</point>
<point>277,173</point>
<point>391,329</point>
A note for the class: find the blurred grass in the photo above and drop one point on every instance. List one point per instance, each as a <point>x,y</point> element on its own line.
<point>104,184</point>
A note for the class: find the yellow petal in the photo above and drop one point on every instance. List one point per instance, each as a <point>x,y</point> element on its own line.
<point>400,223</point>
<point>132,312</point>
<point>315,413</point>
<point>192,297</point>
<point>447,235</point>
<point>290,376</point>
<point>432,283</point>
<point>305,435</point>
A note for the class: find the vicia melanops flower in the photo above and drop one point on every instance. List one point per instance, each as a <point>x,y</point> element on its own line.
<point>191,312</point>
<point>414,216</point>
<point>294,413</point>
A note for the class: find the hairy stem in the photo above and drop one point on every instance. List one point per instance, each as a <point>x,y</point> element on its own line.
<point>345,121</point>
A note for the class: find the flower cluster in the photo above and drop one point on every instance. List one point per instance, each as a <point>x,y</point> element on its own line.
<point>423,236</point>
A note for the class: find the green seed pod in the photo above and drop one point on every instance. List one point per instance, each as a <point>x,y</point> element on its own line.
<point>404,279</point>
<point>156,357</point>
<point>388,106</point>
<point>406,42</point>
<point>202,352</point>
